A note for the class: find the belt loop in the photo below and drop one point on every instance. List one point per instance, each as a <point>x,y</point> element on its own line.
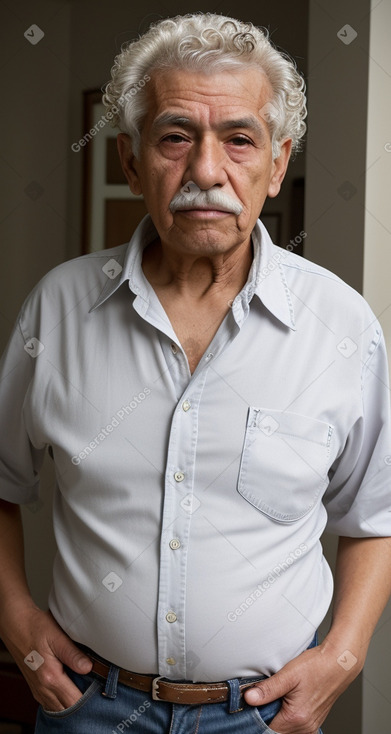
<point>234,696</point>
<point>111,682</point>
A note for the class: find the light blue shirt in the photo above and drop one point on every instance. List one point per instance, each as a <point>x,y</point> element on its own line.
<point>189,508</point>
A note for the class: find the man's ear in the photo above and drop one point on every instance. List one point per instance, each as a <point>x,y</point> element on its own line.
<point>129,163</point>
<point>279,167</point>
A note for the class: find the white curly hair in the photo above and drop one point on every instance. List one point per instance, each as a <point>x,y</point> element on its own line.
<point>208,43</point>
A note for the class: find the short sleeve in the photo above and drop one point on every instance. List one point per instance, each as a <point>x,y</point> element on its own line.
<point>20,460</point>
<point>358,499</point>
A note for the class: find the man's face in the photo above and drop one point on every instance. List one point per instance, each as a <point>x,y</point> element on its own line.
<point>206,130</point>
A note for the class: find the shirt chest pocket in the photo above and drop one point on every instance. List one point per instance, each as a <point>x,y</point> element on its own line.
<point>284,463</point>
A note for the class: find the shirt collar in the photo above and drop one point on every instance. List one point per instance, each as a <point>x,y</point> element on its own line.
<point>131,266</point>
<point>266,278</point>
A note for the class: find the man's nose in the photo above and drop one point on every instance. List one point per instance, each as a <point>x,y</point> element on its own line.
<point>207,164</point>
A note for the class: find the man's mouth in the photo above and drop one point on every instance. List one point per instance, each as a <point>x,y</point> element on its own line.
<point>203,212</point>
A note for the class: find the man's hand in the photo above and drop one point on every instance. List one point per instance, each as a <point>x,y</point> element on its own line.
<point>309,686</point>
<point>40,647</point>
<point>37,643</point>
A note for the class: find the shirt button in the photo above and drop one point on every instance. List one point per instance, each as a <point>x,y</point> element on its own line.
<point>174,348</point>
<point>186,405</point>
<point>171,617</point>
<point>171,661</point>
<point>174,544</point>
<point>179,476</point>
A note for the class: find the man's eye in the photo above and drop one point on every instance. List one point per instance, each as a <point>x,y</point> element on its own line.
<point>240,141</point>
<point>173,138</point>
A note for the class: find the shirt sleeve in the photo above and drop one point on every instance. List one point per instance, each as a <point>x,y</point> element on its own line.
<point>358,499</point>
<point>20,460</point>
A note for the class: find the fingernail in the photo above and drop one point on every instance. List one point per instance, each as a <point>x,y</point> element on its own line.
<point>83,663</point>
<point>253,695</point>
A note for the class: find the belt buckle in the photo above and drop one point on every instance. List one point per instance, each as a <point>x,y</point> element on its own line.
<point>155,687</point>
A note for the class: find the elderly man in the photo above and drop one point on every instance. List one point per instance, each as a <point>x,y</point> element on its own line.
<point>211,403</point>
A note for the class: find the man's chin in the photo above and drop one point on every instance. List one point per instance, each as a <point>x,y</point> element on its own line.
<point>196,222</point>
<point>207,238</point>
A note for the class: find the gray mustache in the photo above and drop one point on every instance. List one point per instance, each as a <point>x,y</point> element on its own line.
<point>210,199</point>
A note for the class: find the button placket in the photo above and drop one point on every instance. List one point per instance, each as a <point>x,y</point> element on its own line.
<point>176,364</point>
<point>179,482</point>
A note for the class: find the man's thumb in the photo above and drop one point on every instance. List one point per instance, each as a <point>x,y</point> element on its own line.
<point>70,655</point>
<point>266,691</point>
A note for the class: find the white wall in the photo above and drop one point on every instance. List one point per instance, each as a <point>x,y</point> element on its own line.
<point>377,290</point>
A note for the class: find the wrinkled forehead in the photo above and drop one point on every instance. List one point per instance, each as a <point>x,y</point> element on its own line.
<point>209,98</point>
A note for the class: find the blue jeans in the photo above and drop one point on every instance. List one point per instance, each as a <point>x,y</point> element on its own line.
<point>126,710</point>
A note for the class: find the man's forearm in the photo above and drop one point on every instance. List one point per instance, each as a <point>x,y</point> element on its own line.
<point>362,589</point>
<point>13,584</point>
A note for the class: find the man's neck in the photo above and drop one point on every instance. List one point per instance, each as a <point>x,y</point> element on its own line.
<point>197,276</point>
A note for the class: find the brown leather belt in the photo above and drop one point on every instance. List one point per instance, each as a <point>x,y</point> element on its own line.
<point>170,691</point>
